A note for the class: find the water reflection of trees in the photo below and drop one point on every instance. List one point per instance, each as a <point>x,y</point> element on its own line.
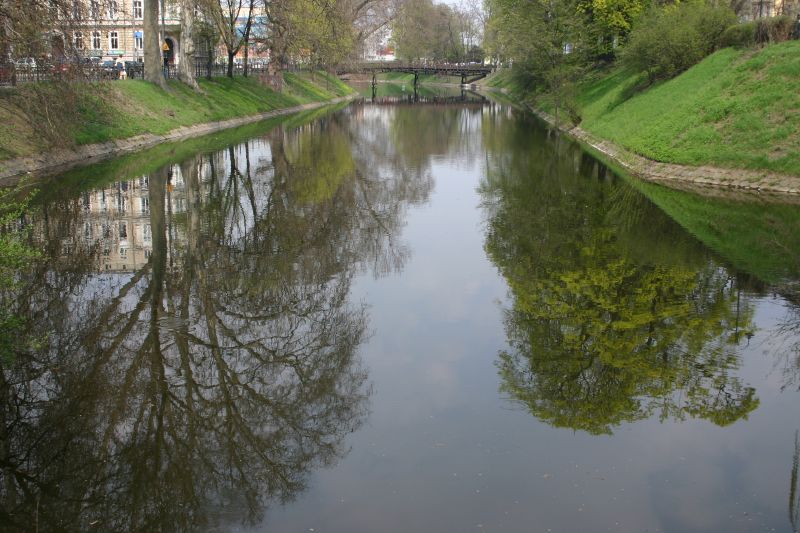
<point>216,377</point>
<point>617,315</point>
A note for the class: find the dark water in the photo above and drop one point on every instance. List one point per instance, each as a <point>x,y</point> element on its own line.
<point>427,317</point>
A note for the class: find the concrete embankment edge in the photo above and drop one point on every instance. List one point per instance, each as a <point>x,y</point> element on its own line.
<point>676,175</point>
<point>63,159</point>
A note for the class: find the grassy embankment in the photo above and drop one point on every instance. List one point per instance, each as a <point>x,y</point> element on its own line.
<point>735,109</point>
<point>116,110</point>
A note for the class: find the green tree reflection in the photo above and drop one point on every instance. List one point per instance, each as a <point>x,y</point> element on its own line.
<point>194,389</point>
<point>616,315</point>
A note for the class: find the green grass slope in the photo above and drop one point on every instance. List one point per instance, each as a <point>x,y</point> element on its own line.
<point>116,110</point>
<point>737,108</point>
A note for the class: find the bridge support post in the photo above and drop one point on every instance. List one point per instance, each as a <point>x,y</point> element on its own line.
<point>463,79</point>
<point>416,81</point>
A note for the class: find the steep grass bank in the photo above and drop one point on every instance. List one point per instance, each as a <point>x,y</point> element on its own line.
<point>117,110</point>
<point>735,109</point>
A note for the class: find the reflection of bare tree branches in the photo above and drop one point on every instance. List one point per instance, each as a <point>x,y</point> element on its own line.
<point>789,350</point>
<point>215,378</point>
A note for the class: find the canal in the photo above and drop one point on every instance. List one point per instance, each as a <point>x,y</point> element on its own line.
<point>419,313</point>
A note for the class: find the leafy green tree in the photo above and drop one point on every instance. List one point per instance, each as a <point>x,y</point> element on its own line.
<point>539,36</point>
<point>607,24</point>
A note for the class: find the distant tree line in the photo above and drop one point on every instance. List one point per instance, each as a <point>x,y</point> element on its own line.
<point>424,30</point>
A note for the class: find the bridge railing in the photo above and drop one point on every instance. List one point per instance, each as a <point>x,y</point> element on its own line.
<point>396,66</point>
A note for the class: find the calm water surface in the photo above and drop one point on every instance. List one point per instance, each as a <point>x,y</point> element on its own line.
<point>400,316</point>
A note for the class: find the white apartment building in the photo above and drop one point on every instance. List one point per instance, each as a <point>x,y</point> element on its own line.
<point>113,29</point>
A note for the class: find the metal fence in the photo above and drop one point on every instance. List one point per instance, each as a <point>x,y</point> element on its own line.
<point>12,75</point>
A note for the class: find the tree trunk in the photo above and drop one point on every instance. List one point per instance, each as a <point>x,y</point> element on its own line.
<point>152,47</point>
<point>230,63</point>
<point>246,54</point>
<point>186,68</point>
<point>275,64</point>
<point>274,76</point>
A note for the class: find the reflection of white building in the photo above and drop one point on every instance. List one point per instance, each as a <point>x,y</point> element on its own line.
<point>116,222</point>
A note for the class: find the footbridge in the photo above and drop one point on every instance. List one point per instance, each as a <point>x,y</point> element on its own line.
<point>468,72</point>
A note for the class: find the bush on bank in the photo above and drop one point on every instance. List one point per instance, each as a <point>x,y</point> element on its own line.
<point>668,40</point>
<point>763,31</point>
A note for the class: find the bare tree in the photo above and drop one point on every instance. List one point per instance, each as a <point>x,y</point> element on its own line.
<point>227,16</point>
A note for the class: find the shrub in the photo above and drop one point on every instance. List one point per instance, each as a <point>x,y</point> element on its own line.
<point>763,31</point>
<point>774,30</point>
<point>668,40</point>
<point>739,36</point>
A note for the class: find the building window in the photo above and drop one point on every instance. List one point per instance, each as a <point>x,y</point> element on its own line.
<point>94,9</point>
<point>112,9</point>
<point>113,40</point>
<point>96,40</point>
<point>137,9</point>
<point>138,41</point>
<point>78,40</point>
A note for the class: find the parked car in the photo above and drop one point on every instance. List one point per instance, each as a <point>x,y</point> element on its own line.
<point>25,63</point>
<point>134,68</point>
<point>61,66</point>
